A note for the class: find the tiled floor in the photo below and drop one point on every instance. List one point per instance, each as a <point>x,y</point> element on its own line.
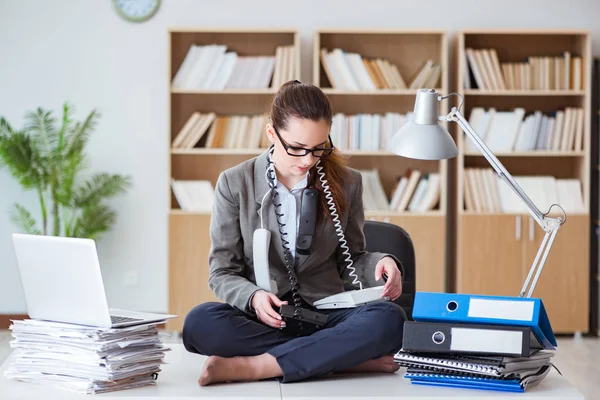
<point>576,358</point>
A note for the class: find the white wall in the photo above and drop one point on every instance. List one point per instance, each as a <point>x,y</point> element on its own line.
<point>83,52</point>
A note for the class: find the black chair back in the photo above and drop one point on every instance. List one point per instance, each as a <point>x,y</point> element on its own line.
<point>391,239</point>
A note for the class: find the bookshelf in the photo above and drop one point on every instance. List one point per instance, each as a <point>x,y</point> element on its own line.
<point>495,248</point>
<point>189,241</point>
<point>404,52</point>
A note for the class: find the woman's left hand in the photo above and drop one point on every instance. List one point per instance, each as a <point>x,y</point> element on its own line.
<point>393,286</point>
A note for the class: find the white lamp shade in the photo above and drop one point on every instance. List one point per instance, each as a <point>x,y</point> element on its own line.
<point>424,138</point>
<point>423,142</point>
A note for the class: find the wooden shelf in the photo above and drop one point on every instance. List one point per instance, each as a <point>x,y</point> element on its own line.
<point>524,93</point>
<point>177,211</point>
<point>368,214</point>
<point>253,152</point>
<point>524,213</point>
<point>537,153</point>
<point>379,92</point>
<point>189,243</point>
<point>506,243</point>
<point>408,51</point>
<point>204,151</point>
<point>258,92</point>
<point>433,213</point>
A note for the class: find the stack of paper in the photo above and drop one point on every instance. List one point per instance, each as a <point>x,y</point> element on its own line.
<point>509,374</point>
<point>85,359</point>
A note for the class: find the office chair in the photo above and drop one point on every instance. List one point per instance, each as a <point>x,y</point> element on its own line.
<point>389,238</point>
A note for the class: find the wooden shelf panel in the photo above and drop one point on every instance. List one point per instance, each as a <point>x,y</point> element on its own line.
<point>387,214</point>
<point>390,45</point>
<point>224,92</point>
<point>207,167</point>
<point>180,212</point>
<point>381,92</point>
<point>368,214</point>
<point>559,167</point>
<point>540,153</point>
<point>200,151</point>
<point>524,214</point>
<point>545,104</point>
<point>189,245</point>
<point>523,93</point>
<point>373,103</point>
<point>517,46</point>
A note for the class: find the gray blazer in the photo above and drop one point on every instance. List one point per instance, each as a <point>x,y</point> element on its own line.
<point>235,217</point>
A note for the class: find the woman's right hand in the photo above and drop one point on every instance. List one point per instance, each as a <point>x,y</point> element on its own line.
<point>262,303</point>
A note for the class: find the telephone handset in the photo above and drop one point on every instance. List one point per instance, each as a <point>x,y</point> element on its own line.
<point>308,221</point>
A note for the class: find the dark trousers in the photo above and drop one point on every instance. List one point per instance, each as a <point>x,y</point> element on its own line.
<point>351,337</point>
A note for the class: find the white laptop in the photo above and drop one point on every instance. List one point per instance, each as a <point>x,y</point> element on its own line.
<point>62,282</point>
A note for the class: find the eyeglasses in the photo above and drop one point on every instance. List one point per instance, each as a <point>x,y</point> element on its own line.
<point>301,151</point>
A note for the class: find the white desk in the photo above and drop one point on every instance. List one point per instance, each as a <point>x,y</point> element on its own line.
<point>180,376</point>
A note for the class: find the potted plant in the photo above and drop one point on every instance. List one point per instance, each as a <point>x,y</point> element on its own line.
<point>48,158</point>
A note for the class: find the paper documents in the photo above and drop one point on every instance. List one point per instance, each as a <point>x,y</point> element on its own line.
<point>85,359</point>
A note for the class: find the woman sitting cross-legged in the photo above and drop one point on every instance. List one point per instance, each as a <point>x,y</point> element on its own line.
<point>245,337</point>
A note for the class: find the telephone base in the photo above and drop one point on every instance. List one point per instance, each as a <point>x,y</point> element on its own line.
<point>306,322</point>
<point>352,298</point>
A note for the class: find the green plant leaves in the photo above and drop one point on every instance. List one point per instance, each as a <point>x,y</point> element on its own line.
<point>98,187</point>
<point>22,218</point>
<point>48,156</point>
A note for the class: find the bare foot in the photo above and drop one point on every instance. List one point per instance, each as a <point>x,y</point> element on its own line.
<point>382,364</point>
<point>221,369</point>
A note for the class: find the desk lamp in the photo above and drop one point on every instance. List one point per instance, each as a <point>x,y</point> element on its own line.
<point>425,139</point>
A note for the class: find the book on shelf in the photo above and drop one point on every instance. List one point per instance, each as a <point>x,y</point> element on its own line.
<point>212,67</point>
<point>209,130</point>
<point>556,72</point>
<point>193,195</point>
<point>369,132</point>
<point>506,131</point>
<point>485,192</point>
<point>351,71</point>
<point>414,192</point>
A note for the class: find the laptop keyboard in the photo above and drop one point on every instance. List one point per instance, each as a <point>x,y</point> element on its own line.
<point>117,320</point>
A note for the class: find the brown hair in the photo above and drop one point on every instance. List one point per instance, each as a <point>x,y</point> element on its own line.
<point>306,101</point>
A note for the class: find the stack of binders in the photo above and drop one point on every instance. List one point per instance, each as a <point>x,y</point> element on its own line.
<point>85,359</point>
<point>478,342</point>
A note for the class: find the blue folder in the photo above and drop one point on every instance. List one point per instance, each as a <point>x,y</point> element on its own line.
<point>479,309</point>
<point>506,385</point>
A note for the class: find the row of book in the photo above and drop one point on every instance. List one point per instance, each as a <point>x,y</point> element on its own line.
<point>348,131</point>
<point>536,73</point>
<point>193,195</point>
<point>505,131</point>
<point>85,359</point>
<point>414,192</point>
<point>461,340</point>
<point>484,191</point>
<point>351,71</point>
<point>370,132</point>
<point>212,67</point>
<point>229,131</point>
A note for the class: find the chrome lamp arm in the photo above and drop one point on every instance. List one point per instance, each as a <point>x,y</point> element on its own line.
<point>548,224</point>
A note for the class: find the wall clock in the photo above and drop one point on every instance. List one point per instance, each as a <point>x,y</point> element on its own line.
<point>136,10</point>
